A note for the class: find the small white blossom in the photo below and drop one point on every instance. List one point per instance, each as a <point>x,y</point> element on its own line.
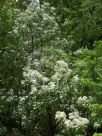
<point>33,90</point>
<point>68,124</point>
<point>56,76</point>
<point>52,85</point>
<point>60,115</point>
<point>9,99</point>
<point>23,82</point>
<point>45,79</point>
<point>47,5</point>
<point>21,100</point>
<point>3,97</point>
<point>76,78</point>
<point>45,87</point>
<point>61,63</point>
<point>84,101</point>
<point>96,125</point>
<point>73,115</point>
<point>84,121</point>
<point>52,9</point>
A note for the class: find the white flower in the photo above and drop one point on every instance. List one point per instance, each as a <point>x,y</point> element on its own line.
<point>35,3</point>
<point>23,82</point>
<point>46,5</point>
<point>3,97</point>
<point>82,99</point>
<point>23,117</point>
<point>45,79</point>
<point>68,124</point>
<point>36,73</point>
<point>10,92</point>
<point>23,26</point>
<point>52,9</point>
<point>9,99</point>
<point>76,78</point>
<point>56,76</point>
<point>33,90</point>
<point>33,81</point>
<point>21,100</point>
<point>73,115</point>
<point>78,121</point>
<point>15,31</point>
<point>45,16</point>
<point>84,121</point>
<point>61,63</point>
<point>60,115</point>
<point>69,71</point>
<point>52,85</point>
<point>45,87</point>
<point>96,125</point>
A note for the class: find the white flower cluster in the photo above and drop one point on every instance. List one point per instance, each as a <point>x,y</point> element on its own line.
<point>60,115</point>
<point>32,75</point>
<point>76,78</point>
<point>10,96</point>
<point>61,66</point>
<point>48,84</point>
<point>61,69</point>
<point>35,3</point>
<point>96,125</point>
<point>36,21</point>
<point>74,121</point>
<point>45,87</point>
<point>33,90</point>
<point>62,63</point>
<point>51,86</point>
<point>84,100</point>
<point>22,99</point>
<point>77,121</point>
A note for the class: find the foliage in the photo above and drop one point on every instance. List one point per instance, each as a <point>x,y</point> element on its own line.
<point>45,97</point>
<point>88,63</point>
<point>96,134</point>
<point>80,19</point>
<point>88,67</point>
<point>50,67</point>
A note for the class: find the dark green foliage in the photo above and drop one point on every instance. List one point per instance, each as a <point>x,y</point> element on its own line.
<point>89,66</point>
<point>81,19</point>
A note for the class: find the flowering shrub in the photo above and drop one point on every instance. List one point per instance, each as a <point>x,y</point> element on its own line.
<point>36,26</point>
<point>47,95</point>
<point>45,87</point>
<point>21,93</point>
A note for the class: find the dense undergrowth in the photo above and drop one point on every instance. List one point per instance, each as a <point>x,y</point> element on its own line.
<point>51,68</point>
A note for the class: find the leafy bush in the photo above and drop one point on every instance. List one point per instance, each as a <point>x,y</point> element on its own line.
<point>97,134</point>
